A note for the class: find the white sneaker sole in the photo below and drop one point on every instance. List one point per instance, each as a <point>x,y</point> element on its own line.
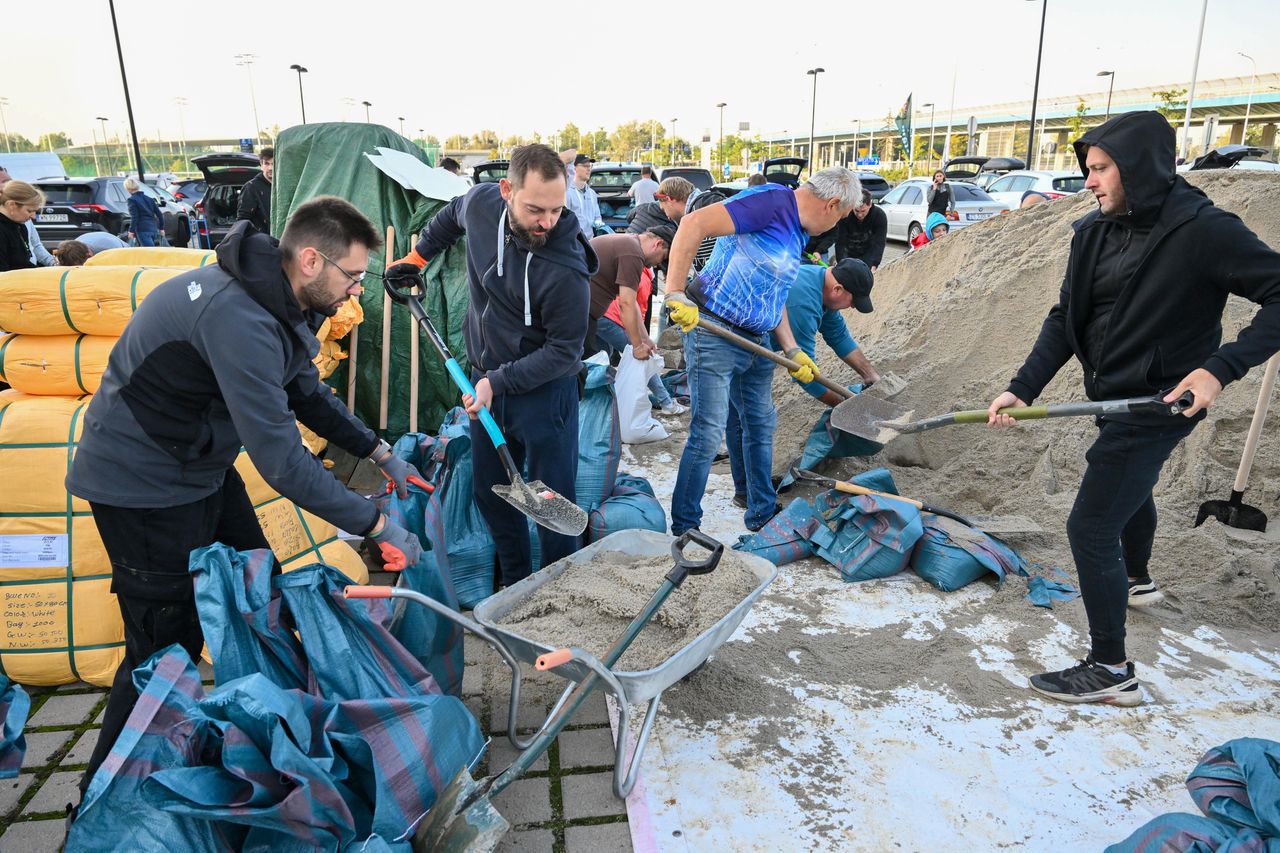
<point>1146,599</point>
<point>1111,696</point>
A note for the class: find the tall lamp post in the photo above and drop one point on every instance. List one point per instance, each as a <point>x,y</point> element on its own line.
<point>720,145</point>
<point>124,82</point>
<point>182,124</point>
<point>1035,90</point>
<point>302,102</point>
<point>8,145</point>
<point>1244,134</point>
<point>673,142</point>
<point>106,148</point>
<point>246,60</point>
<point>1191,97</point>
<point>932,109</point>
<point>401,124</point>
<point>1111,84</point>
<point>367,120</point>
<point>813,111</point>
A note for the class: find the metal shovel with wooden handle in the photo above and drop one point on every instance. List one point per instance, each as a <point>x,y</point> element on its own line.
<point>889,384</point>
<point>1233,512</point>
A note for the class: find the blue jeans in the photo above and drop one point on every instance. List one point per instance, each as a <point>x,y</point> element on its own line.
<point>148,238</point>
<point>613,338</point>
<point>1113,522</point>
<point>723,376</point>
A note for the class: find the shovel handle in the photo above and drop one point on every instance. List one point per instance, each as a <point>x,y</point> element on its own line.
<point>1255,426</point>
<point>354,591</point>
<point>764,352</point>
<point>855,489</point>
<point>1147,405</point>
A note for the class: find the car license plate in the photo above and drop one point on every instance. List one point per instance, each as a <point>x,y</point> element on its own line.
<point>51,217</point>
<point>975,216</point>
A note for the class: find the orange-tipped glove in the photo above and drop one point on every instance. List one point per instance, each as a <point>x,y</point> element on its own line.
<point>412,258</point>
<point>399,548</point>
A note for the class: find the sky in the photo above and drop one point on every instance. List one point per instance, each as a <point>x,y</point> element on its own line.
<point>517,67</point>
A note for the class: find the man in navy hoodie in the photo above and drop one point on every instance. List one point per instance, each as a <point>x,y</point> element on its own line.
<point>528,266</point>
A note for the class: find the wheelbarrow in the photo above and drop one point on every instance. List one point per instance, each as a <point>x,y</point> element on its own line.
<point>464,818</point>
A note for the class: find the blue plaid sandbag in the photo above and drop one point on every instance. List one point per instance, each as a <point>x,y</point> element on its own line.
<point>786,537</point>
<point>865,536</point>
<point>1238,783</point>
<point>950,555</point>
<point>14,707</point>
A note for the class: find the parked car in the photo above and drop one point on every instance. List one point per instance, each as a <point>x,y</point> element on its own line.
<point>872,181</point>
<point>224,174</point>
<point>729,189</point>
<point>906,207</point>
<point>191,190</point>
<point>1232,157</point>
<point>1008,188</point>
<point>784,170</point>
<point>702,179</point>
<point>76,206</point>
<point>490,171</point>
<point>612,183</point>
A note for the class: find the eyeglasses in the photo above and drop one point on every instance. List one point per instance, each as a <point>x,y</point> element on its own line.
<point>357,280</point>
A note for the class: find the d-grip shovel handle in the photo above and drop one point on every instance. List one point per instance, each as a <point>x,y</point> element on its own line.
<point>684,566</point>
<point>1153,405</point>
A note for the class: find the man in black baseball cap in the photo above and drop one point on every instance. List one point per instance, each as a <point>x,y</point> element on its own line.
<point>581,199</point>
<point>814,304</point>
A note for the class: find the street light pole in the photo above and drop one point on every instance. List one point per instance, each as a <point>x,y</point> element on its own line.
<point>932,110</point>
<point>1191,97</point>
<point>301,100</point>
<point>246,59</point>
<point>1244,134</point>
<point>401,124</point>
<point>1110,86</point>
<point>8,146</point>
<point>720,144</point>
<point>124,80</point>
<point>182,123</point>
<point>1035,91</point>
<point>813,112</point>
<point>673,142</point>
<point>367,120</point>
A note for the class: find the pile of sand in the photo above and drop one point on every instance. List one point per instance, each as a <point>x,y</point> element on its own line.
<point>591,604</point>
<point>957,319</point>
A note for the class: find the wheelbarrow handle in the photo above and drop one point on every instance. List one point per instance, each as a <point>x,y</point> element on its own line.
<point>354,591</point>
<point>755,349</point>
<point>551,660</point>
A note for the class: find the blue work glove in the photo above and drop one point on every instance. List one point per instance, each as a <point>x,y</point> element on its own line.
<point>395,469</point>
<point>399,548</point>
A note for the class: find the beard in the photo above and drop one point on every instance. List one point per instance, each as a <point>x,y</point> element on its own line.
<point>317,298</point>
<point>534,239</point>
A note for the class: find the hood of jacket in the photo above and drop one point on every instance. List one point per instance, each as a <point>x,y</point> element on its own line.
<point>935,219</point>
<point>560,246</point>
<point>254,259</point>
<point>1143,146</point>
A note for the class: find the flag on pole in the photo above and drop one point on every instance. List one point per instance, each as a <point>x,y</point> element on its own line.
<point>906,130</point>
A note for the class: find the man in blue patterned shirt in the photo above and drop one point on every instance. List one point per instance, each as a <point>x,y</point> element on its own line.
<point>744,287</point>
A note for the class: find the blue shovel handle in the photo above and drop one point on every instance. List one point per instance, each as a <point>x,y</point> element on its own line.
<point>486,419</point>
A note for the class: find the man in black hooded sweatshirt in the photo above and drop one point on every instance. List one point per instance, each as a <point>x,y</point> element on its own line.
<point>528,266</point>
<point>1141,308</point>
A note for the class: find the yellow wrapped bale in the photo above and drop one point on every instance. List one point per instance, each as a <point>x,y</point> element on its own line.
<point>61,622</point>
<point>54,365</point>
<point>75,300</point>
<point>340,324</point>
<point>153,256</point>
<point>330,356</point>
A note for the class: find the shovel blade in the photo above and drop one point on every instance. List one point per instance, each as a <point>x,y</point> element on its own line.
<point>545,506</point>
<point>890,385</point>
<point>477,829</point>
<point>865,416</point>
<point>1237,515</point>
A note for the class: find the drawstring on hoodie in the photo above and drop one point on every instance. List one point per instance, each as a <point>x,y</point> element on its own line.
<point>528,258</point>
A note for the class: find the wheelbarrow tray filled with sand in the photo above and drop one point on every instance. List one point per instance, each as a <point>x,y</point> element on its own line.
<point>627,687</point>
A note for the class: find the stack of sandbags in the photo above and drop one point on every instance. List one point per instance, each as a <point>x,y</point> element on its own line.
<point>61,620</point>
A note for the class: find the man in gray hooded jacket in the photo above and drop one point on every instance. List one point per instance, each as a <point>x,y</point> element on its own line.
<point>215,359</point>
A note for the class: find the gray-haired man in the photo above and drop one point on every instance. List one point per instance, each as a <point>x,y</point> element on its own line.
<point>744,287</point>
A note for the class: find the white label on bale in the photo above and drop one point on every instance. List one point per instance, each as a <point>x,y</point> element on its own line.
<point>33,551</point>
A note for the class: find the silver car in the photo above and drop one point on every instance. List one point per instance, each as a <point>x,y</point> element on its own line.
<point>906,207</point>
<point>1008,189</point>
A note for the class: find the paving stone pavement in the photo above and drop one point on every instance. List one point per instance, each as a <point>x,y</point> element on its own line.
<point>563,804</point>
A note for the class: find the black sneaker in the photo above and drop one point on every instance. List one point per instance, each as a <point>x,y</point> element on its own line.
<point>739,501</point>
<point>755,528</point>
<point>1089,681</point>
<point>1143,592</point>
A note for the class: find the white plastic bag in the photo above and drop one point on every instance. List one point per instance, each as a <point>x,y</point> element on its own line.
<point>631,384</point>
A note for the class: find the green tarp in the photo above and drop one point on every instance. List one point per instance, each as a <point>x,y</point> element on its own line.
<point>328,159</point>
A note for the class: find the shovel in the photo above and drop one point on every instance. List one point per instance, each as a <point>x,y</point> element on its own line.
<point>464,818</point>
<point>882,421</point>
<point>889,385</point>
<point>1232,512</point>
<point>1002,524</point>
<point>535,499</point>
